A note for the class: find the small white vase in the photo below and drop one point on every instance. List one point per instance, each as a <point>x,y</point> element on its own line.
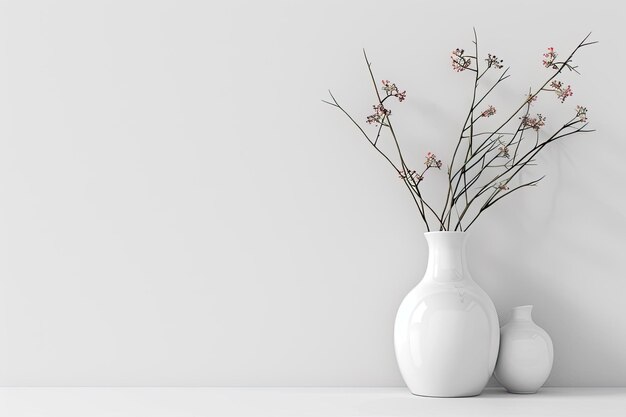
<point>446,332</point>
<point>526,353</point>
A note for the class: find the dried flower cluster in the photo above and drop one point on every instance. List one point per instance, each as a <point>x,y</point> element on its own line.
<point>581,113</point>
<point>493,61</point>
<point>392,91</point>
<point>412,175</point>
<point>561,92</point>
<point>534,123</point>
<point>432,161</point>
<point>489,111</point>
<point>459,61</point>
<point>380,112</point>
<point>549,59</point>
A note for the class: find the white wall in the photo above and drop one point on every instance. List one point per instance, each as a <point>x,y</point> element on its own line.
<point>177,207</point>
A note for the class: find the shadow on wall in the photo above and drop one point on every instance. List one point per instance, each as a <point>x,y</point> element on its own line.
<point>559,247</point>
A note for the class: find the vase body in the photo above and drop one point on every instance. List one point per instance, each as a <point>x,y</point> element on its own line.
<point>526,353</point>
<point>446,331</point>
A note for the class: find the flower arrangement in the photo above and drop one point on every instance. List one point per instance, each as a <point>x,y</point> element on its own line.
<point>484,164</point>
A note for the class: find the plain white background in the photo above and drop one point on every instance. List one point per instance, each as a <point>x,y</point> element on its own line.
<point>177,206</point>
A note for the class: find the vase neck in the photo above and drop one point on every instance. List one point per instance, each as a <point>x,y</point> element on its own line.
<point>446,257</point>
<point>522,313</point>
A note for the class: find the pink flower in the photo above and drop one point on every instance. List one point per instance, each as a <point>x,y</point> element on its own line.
<point>392,90</point>
<point>380,112</point>
<point>432,161</point>
<point>550,56</point>
<point>534,123</point>
<point>459,61</point>
<point>561,92</point>
<point>489,111</point>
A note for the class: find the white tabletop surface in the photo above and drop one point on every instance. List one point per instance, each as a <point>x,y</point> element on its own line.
<point>293,402</point>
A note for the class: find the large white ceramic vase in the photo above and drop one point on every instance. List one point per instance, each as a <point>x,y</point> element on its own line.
<point>446,331</point>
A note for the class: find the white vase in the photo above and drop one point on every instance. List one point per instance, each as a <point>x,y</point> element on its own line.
<point>446,332</point>
<point>526,353</point>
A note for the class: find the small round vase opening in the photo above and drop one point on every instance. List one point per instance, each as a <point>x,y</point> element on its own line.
<point>446,332</point>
